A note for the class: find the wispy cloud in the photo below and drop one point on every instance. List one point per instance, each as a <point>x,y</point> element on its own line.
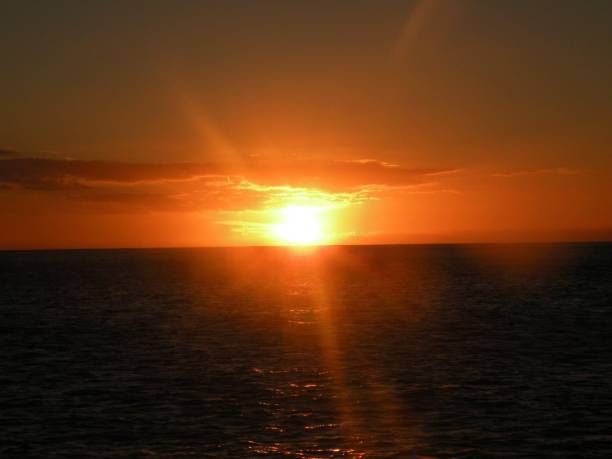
<point>5,153</point>
<point>542,171</point>
<point>180,187</point>
<point>42,173</point>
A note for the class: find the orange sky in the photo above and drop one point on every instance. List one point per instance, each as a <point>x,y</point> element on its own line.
<point>184,124</point>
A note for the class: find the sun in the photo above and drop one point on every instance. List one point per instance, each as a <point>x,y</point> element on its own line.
<point>299,225</point>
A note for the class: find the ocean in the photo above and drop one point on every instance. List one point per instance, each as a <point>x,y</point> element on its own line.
<point>441,351</point>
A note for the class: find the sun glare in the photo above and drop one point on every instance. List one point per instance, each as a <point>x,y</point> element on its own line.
<point>299,225</point>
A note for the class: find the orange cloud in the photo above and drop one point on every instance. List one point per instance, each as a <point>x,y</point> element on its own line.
<point>549,171</point>
<point>207,186</point>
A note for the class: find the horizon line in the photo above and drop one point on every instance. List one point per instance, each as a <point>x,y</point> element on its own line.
<point>308,247</point>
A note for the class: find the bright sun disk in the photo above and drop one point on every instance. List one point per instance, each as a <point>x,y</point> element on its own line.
<point>300,225</point>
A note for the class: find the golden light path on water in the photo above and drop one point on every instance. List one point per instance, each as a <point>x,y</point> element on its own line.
<point>312,309</point>
<point>310,302</point>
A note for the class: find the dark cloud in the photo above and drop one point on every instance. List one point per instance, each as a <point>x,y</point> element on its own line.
<point>39,173</point>
<point>4,153</point>
<point>182,187</point>
<point>228,198</point>
<point>49,174</point>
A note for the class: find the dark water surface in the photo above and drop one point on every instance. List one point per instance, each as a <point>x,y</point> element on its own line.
<point>388,351</point>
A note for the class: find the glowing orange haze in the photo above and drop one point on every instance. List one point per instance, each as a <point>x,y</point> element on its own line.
<point>390,121</point>
<point>69,203</point>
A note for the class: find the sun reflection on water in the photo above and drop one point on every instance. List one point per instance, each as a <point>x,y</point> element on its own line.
<point>336,410</point>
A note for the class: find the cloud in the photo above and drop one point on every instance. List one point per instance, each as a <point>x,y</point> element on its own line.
<point>168,201</point>
<point>180,187</point>
<point>549,171</point>
<point>42,173</point>
<point>420,188</point>
<point>4,153</point>
<point>39,173</point>
<point>336,175</point>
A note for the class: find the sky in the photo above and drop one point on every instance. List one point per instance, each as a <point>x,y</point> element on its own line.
<point>196,123</point>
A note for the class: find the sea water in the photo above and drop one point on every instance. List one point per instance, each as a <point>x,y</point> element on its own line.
<point>356,351</point>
